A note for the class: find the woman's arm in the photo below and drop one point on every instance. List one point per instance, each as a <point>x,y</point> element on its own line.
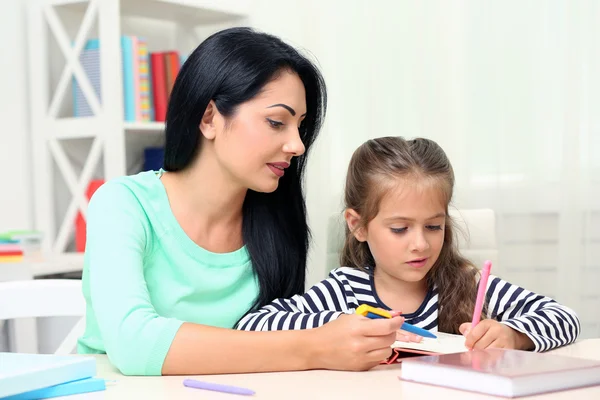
<point>321,304</point>
<point>138,341</point>
<point>546,323</point>
<point>135,338</point>
<point>351,342</point>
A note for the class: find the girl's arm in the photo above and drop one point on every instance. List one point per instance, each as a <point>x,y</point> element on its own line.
<point>547,323</point>
<point>139,341</point>
<point>324,302</point>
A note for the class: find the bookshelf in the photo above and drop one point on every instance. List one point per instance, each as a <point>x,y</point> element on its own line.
<point>105,144</point>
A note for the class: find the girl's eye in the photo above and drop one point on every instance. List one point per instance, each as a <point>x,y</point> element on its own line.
<point>434,227</point>
<point>398,230</point>
<point>275,124</point>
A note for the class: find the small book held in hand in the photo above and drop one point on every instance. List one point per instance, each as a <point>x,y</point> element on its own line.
<point>501,372</point>
<point>445,343</point>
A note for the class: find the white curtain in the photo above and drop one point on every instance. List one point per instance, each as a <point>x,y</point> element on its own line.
<point>510,89</point>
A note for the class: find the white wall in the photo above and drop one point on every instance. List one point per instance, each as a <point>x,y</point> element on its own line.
<point>15,183</point>
<point>508,89</point>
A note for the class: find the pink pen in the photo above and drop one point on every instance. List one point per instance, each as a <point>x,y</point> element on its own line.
<point>485,274</point>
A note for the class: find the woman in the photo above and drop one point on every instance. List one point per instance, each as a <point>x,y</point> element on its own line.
<point>174,258</point>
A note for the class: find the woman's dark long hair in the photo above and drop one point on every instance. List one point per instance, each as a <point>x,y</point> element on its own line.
<point>231,67</point>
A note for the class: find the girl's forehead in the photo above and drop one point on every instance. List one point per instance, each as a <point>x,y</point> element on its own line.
<point>414,196</point>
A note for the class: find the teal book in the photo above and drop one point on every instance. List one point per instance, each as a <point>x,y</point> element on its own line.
<point>128,78</point>
<point>65,389</point>
<point>22,373</point>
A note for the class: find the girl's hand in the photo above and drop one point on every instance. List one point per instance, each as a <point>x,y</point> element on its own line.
<point>353,342</point>
<point>490,333</point>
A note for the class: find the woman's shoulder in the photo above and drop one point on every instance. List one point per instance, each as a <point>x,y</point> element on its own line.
<point>129,191</point>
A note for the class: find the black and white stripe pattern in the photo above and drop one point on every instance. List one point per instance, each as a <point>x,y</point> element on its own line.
<point>547,323</point>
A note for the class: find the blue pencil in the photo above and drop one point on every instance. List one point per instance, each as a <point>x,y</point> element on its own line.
<point>373,313</point>
<point>407,327</point>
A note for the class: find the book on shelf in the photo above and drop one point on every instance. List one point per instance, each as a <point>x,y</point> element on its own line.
<point>147,79</point>
<point>18,246</point>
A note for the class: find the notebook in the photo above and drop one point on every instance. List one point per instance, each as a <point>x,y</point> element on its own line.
<point>20,372</point>
<point>445,343</point>
<point>500,372</point>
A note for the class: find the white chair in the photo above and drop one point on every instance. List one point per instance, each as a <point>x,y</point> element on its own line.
<point>45,298</point>
<point>476,236</point>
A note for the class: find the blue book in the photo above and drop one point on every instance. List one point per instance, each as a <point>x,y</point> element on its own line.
<point>90,61</point>
<point>21,373</point>
<point>65,389</point>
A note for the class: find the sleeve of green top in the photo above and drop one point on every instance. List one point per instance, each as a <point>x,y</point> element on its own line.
<point>135,337</point>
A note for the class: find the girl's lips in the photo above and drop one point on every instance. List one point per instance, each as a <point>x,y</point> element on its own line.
<point>419,263</point>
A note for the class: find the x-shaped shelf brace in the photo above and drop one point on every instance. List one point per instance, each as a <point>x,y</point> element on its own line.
<point>77,187</point>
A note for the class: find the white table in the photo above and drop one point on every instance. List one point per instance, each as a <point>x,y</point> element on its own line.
<point>381,383</point>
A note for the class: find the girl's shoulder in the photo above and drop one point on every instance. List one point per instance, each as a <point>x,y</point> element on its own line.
<point>351,274</point>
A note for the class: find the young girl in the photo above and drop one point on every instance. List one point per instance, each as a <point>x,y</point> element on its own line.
<point>400,254</point>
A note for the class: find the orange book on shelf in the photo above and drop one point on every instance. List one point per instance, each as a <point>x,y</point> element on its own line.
<point>172,67</point>
<point>80,225</point>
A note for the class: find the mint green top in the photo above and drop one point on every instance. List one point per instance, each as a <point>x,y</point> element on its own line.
<point>143,277</point>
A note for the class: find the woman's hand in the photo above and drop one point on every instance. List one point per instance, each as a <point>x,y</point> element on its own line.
<point>490,333</point>
<point>353,342</point>
<point>403,336</point>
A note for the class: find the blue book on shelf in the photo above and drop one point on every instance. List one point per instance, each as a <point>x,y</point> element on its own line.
<point>65,389</point>
<point>21,373</point>
<point>90,61</point>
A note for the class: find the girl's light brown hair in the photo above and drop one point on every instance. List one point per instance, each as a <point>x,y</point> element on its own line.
<point>378,166</point>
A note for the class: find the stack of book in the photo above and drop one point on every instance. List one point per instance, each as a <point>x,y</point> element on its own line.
<point>147,79</point>
<point>15,246</point>
<point>43,376</point>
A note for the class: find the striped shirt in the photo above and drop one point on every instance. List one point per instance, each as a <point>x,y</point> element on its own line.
<point>548,323</point>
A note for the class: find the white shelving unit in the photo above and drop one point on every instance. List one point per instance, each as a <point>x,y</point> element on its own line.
<point>69,24</point>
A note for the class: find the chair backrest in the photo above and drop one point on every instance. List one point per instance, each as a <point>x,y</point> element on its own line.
<point>476,236</point>
<point>45,298</point>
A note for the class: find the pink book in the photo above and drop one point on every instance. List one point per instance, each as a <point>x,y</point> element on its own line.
<point>135,50</point>
<point>501,372</point>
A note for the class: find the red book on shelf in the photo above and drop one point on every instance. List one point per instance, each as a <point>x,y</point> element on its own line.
<point>10,253</point>
<point>159,85</point>
<point>80,225</point>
